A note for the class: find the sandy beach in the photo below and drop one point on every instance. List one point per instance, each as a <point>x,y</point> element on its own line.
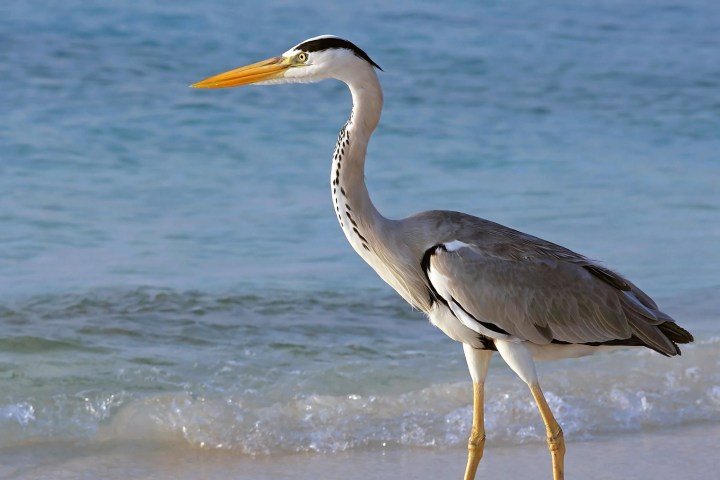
<point>686,453</point>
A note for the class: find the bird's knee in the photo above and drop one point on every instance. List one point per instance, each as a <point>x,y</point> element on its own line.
<point>556,441</point>
<point>477,440</point>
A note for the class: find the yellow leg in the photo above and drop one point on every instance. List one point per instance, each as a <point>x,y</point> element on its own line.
<point>555,440</point>
<point>476,444</point>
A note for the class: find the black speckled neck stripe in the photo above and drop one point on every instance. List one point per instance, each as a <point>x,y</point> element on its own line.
<point>327,43</point>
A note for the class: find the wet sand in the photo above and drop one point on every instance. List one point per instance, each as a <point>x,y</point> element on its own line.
<point>690,452</point>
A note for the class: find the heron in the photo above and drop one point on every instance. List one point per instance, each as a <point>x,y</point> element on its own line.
<point>485,285</point>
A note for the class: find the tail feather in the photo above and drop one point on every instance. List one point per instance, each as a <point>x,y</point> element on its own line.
<point>651,335</point>
<point>676,333</point>
<point>654,328</point>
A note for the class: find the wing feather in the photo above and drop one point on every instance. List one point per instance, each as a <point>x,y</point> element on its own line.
<point>537,290</point>
<point>536,299</point>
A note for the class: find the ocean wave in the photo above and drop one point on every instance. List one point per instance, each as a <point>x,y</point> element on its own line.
<point>280,372</point>
<point>146,300</point>
<point>627,391</point>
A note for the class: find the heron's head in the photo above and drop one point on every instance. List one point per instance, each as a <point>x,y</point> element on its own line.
<point>313,60</point>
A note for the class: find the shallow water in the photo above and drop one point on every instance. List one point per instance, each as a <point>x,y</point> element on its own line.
<point>296,374</point>
<point>170,268</point>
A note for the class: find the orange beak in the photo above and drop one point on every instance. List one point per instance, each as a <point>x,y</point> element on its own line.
<point>257,72</point>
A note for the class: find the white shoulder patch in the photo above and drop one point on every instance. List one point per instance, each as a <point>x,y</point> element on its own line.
<point>455,245</point>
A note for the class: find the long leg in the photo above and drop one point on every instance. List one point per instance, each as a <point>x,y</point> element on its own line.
<point>555,439</point>
<point>476,443</point>
<point>519,358</point>
<point>478,363</point>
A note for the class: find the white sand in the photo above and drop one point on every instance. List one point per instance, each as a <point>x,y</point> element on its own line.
<point>687,453</point>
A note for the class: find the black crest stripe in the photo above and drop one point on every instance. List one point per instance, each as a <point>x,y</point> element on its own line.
<point>327,43</point>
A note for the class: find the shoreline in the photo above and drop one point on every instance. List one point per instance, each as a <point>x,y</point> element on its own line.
<point>689,452</point>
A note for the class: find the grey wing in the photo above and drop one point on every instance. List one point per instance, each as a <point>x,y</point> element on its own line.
<point>545,298</point>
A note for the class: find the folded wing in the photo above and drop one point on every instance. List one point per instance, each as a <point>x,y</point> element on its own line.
<point>548,299</point>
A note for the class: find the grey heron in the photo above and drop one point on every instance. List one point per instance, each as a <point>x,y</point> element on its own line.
<point>485,285</point>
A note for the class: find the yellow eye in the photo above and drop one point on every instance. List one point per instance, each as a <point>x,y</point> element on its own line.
<point>302,57</point>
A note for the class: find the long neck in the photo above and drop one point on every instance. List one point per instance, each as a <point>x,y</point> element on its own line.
<point>358,217</point>
<point>378,240</point>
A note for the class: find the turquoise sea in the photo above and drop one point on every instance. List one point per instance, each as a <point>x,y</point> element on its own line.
<point>172,274</point>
